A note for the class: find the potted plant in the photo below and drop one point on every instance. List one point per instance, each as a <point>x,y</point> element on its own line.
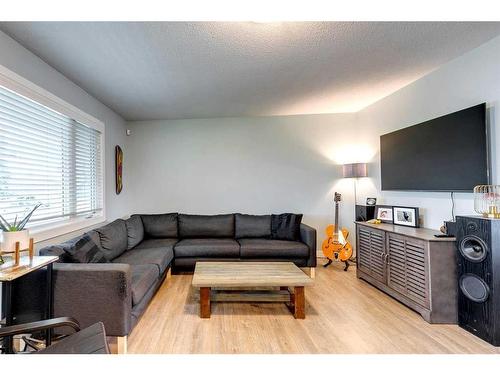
<point>14,232</point>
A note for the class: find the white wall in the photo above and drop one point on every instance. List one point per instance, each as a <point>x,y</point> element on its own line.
<point>275,164</point>
<point>15,57</point>
<point>250,165</point>
<point>18,59</point>
<point>468,80</point>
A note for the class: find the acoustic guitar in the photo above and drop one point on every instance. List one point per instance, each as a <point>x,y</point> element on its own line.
<point>336,247</point>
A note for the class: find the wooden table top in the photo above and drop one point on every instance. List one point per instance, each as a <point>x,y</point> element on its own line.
<point>8,272</point>
<point>425,234</point>
<point>248,274</point>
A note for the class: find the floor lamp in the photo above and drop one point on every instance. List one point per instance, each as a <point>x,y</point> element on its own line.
<point>354,171</point>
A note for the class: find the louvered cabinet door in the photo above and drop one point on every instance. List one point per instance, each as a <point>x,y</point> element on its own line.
<point>417,279</point>
<point>377,254</point>
<point>396,265</point>
<point>408,268</point>
<point>371,252</point>
<point>363,249</point>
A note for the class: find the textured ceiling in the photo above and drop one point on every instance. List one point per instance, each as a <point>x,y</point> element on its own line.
<point>171,70</point>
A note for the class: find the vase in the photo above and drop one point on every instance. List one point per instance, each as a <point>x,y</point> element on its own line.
<point>9,240</point>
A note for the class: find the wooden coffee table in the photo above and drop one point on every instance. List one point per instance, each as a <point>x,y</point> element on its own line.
<point>240,282</point>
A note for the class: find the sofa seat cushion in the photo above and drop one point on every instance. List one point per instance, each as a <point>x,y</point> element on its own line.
<point>159,256</point>
<point>144,276</point>
<point>207,247</point>
<point>262,248</point>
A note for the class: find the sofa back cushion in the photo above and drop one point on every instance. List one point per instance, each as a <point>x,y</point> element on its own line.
<point>160,225</point>
<point>135,231</point>
<point>113,237</point>
<point>252,226</point>
<point>286,227</point>
<point>212,226</point>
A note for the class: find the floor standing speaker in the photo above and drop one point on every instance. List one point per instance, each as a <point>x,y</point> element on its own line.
<point>478,257</point>
<point>364,213</point>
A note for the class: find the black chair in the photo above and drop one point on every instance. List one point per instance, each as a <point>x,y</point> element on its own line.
<point>91,340</point>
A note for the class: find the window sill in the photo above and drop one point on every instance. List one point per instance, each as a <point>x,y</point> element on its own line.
<point>46,232</point>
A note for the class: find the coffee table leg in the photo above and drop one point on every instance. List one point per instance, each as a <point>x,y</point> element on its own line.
<point>299,303</point>
<point>204,302</point>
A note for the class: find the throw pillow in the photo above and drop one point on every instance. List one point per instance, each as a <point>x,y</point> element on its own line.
<point>286,227</point>
<point>85,251</point>
<point>135,231</point>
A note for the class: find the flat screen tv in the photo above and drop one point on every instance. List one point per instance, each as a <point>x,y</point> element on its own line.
<point>448,153</point>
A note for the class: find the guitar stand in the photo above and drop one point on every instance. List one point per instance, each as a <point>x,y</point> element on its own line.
<point>346,267</point>
<point>346,264</point>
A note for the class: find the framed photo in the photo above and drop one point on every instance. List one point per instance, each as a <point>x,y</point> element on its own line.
<point>407,216</point>
<point>384,214</point>
<point>371,201</point>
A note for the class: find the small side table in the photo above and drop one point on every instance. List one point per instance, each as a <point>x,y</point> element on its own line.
<point>10,272</point>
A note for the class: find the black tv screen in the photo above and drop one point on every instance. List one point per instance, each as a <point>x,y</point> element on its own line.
<point>449,153</point>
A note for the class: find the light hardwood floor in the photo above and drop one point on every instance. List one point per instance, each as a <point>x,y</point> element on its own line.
<point>343,315</point>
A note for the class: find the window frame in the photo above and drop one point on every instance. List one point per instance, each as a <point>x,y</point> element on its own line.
<point>22,86</point>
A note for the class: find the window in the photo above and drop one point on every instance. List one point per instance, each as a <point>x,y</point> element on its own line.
<point>47,157</point>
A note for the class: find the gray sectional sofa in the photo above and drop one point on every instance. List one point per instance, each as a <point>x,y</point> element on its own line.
<point>141,250</point>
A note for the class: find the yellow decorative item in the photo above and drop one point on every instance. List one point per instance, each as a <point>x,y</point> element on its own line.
<point>487,200</point>
<point>374,221</point>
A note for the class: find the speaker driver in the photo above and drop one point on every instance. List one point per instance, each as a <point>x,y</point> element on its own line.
<point>473,248</point>
<point>474,288</point>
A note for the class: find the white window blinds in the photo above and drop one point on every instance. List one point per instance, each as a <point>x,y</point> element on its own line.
<point>48,158</point>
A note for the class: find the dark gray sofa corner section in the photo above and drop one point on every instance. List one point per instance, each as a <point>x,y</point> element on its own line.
<point>160,225</point>
<point>206,226</point>
<point>252,226</point>
<point>143,248</point>
<point>113,238</point>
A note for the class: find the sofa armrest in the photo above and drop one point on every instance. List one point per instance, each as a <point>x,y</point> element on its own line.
<point>308,236</point>
<point>94,292</point>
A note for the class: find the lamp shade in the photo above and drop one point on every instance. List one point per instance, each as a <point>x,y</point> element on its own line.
<point>354,170</point>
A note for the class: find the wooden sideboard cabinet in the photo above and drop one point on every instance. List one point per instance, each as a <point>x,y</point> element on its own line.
<point>411,265</point>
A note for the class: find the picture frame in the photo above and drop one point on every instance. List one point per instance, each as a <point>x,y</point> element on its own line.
<point>384,214</point>
<point>118,169</point>
<point>405,216</point>
<point>371,201</point>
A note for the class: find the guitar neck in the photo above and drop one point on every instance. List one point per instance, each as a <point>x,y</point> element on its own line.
<point>336,216</point>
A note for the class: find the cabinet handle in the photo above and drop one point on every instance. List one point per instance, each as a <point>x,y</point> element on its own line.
<point>386,259</point>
